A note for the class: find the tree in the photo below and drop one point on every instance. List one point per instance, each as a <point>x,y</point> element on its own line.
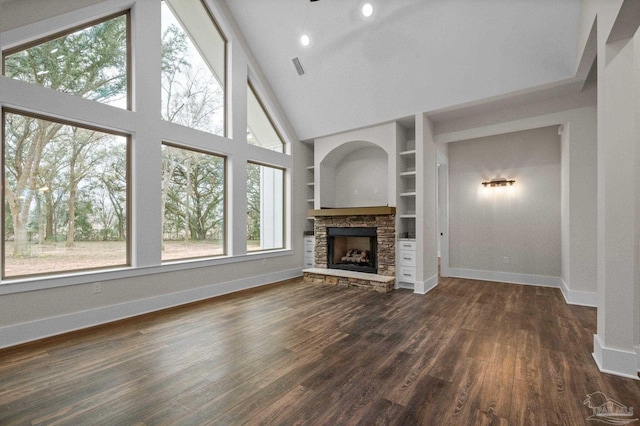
<point>191,96</point>
<point>83,158</point>
<point>253,202</point>
<point>90,63</point>
<point>194,193</point>
<point>26,139</point>
<point>114,180</point>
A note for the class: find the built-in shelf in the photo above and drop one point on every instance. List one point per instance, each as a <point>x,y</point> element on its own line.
<point>407,191</point>
<point>310,178</point>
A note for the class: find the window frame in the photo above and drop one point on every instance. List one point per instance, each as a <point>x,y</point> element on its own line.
<point>225,221</point>
<point>129,192</point>
<point>38,41</point>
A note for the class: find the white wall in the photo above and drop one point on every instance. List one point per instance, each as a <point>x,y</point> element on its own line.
<point>331,151</point>
<point>520,223</point>
<point>579,206</point>
<point>362,179</point>
<point>616,342</point>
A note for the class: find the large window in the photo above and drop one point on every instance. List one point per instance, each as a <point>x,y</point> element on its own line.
<point>260,129</point>
<point>193,202</point>
<point>65,198</point>
<point>193,67</point>
<point>265,207</point>
<point>92,182</point>
<point>90,62</point>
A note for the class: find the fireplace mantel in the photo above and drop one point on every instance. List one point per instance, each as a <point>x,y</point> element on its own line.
<point>354,211</point>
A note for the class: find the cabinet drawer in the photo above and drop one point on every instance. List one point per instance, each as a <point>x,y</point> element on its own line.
<point>407,258</point>
<point>308,251</point>
<point>308,263</point>
<point>407,245</point>
<point>309,241</point>
<point>407,274</point>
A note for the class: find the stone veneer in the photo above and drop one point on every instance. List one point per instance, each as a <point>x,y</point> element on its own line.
<point>342,279</point>
<point>386,231</point>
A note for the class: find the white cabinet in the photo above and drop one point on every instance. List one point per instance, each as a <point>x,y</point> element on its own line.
<point>309,246</point>
<point>406,263</point>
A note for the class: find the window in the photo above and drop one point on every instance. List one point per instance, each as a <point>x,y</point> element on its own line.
<point>260,129</point>
<point>78,144</point>
<point>65,198</point>
<point>193,67</point>
<point>193,202</point>
<point>91,62</point>
<point>265,207</point>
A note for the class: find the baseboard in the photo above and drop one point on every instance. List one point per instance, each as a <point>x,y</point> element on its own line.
<point>26,332</point>
<point>406,286</point>
<point>506,277</point>
<point>582,298</point>
<point>424,287</point>
<point>615,361</point>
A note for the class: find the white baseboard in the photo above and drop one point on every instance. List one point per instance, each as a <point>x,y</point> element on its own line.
<point>26,332</point>
<point>407,286</point>
<point>615,361</point>
<point>506,277</point>
<point>424,287</point>
<point>582,298</point>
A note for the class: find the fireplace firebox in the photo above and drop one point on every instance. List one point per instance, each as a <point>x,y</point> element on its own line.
<point>352,249</point>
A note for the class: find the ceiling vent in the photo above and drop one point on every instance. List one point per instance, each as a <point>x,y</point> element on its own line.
<point>298,65</point>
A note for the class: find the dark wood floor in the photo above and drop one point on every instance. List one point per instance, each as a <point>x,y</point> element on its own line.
<point>469,352</point>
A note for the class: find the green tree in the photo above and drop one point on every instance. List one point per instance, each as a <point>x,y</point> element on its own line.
<point>90,63</point>
<point>194,194</point>
<point>253,202</point>
<point>114,179</point>
<point>191,96</point>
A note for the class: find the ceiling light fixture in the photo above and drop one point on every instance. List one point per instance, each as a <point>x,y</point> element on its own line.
<point>367,10</point>
<point>305,40</point>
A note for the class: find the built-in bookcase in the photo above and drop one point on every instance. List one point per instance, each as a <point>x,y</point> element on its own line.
<point>406,189</point>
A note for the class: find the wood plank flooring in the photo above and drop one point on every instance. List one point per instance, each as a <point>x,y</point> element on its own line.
<point>468,352</point>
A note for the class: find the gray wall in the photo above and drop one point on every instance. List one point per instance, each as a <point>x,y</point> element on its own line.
<point>522,222</point>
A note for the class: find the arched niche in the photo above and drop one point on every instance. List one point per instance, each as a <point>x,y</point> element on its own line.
<point>354,174</point>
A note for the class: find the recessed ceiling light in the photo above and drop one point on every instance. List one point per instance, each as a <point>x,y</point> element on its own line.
<point>305,40</point>
<point>367,10</point>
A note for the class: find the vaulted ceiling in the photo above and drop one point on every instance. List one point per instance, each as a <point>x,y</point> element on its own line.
<point>411,56</point>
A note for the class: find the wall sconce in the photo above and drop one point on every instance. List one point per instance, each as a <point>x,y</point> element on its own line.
<point>498,182</point>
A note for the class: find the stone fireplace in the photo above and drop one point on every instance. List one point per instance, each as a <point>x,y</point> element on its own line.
<point>340,233</point>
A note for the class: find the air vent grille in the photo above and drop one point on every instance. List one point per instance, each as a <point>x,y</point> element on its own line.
<point>298,65</point>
